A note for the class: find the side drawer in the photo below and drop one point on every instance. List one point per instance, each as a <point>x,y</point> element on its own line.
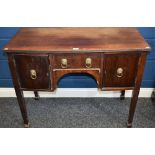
<point>120,70</point>
<point>33,71</point>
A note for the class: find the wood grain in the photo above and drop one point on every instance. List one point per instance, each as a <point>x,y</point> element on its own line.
<point>129,64</point>
<point>85,39</point>
<point>42,49</point>
<point>25,63</point>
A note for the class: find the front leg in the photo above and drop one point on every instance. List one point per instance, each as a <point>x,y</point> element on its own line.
<point>132,109</point>
<point>21,102</point>
<point>136,89</point>
<point>19,92</point>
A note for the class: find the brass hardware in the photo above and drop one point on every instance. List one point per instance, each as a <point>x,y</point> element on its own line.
<point>119,72</point>
<point>33,74</point>
<point>88,62</point>
<point>64,63</point>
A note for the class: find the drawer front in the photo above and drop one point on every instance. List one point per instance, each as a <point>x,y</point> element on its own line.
<point>33,71</point>
<point>71,61</point>
<point>120,70</point>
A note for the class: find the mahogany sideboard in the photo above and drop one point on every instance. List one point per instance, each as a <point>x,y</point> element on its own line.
<point>114,57</point>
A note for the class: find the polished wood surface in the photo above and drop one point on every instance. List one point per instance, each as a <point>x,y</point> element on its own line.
<point>40,57</point>
<point>136,89</point>
<point>19,93</point>
<point>127,62</point>
<point>77,60</point>
<point>26,63</point>
<point>73,39</point>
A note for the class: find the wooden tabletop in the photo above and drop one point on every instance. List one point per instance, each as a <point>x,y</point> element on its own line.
<point>74,39</point>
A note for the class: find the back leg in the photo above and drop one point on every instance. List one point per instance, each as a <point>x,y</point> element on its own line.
<point>122,96</point>
<point>36,95</point>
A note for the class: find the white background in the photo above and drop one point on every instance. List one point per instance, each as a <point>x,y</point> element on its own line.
<point>60,13</point>
<point>77,13</point>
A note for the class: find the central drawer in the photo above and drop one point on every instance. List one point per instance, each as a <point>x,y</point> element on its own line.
<point>77,60</point>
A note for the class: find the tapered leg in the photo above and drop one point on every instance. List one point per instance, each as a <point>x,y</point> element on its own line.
<point>132,109</point>
<point>122,96</point>
<point>22,106</point>
<point>36,95</point>
<point>19,93</point>
<point>136,89</point>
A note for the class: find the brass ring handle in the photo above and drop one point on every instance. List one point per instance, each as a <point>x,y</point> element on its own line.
<point>33,74</point>
<point>64,63</point>
<point>119,72</point>
<point>88,62</point>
